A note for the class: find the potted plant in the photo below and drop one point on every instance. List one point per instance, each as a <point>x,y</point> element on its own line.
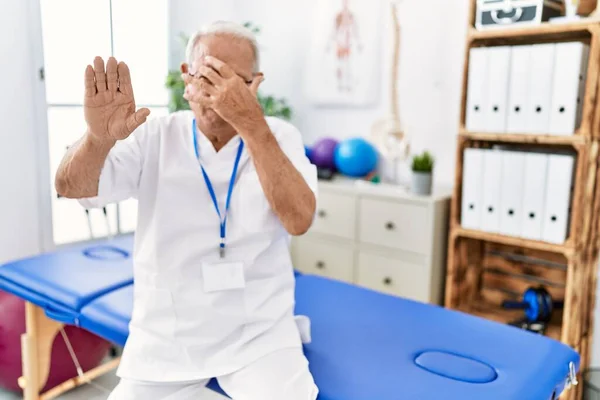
<point>422,169</point>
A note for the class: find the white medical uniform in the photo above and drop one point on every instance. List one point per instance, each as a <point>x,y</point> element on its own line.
<point>179,332</point>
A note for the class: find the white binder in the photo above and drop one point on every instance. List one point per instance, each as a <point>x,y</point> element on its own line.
<point>492,174</point>
<point>558,198</point>
<point>534,195</point>
<point>582,83</point>
<point>471,188</point>
<point>511,192</point>
<point>476,89</point>
<point>569,62</point>
<point>497,89</point>
<point>518,89</point>
<point>540,88</point>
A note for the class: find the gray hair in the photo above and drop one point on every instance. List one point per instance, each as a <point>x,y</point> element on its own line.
<point>224,28</point>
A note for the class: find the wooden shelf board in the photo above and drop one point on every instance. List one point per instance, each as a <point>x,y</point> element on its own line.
<point>498,314</point>
<point>544,32</point>
<point>524,138</point>
<point>512,241</point>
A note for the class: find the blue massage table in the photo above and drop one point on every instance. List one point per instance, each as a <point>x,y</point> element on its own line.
<point>365,345</point>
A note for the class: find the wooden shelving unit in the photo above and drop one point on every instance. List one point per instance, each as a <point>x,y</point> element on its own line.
<point>513,241</point>
<point>573,141</point>
<point>545,32</point>
<point>490,311</point>
<point>484,269</point>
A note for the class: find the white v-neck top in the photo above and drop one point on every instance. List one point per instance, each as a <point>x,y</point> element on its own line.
<point>177,331</point>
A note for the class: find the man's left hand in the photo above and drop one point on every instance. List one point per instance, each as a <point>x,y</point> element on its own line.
<point>215,85</point>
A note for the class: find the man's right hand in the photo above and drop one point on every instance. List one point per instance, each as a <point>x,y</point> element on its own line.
<point>109,104</point>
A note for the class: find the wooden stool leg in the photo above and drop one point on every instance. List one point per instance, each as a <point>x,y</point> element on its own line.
<point>36,347</point>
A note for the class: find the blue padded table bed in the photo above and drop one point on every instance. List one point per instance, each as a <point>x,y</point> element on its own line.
<point>365,345</point>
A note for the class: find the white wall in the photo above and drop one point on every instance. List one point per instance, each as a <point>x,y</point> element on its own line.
<point>431,59</point>
<point>186,16</point>
<point>20,212</point>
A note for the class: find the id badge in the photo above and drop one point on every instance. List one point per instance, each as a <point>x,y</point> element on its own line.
<point>219,276</point>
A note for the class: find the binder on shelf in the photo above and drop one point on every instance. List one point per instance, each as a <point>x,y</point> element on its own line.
<point>518,89</point>
<point>497,89</point>
<point>582,83</point>
<point>476,89</point>
<point>569,67</point>
<point>471,206</point>
<point>492,174</point>
<point>540,88</point>
<point>511,192</point>
<point>534,195</point>
<point>558,198</point>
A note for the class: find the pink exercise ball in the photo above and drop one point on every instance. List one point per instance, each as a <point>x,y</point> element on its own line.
<point>89,348</point>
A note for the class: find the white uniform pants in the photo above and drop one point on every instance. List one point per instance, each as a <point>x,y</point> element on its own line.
<point>282,375</point>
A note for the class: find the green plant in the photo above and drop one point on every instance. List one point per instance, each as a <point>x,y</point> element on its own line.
<point>176,87</point>
<point>272,106</point>
<point>423,162</point>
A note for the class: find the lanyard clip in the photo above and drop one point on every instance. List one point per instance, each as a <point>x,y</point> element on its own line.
<point>222,248</point>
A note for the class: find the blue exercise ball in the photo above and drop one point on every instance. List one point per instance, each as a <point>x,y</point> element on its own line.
<point>356,157</point>
<point>308,152</point>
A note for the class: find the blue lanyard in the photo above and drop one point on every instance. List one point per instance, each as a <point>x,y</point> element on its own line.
<point>222,218</point>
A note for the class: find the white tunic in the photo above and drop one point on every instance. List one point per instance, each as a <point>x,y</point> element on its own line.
<point>177,331</point>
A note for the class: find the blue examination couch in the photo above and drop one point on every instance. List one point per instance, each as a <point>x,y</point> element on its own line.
<point>365,345</point>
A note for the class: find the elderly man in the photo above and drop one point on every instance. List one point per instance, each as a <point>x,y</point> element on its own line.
<point>220,189</point>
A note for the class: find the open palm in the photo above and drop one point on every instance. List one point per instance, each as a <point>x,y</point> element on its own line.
<point>109,104</point>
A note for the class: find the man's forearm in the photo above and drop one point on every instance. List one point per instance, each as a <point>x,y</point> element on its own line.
<point>79,171</point>
<point>289,195</point>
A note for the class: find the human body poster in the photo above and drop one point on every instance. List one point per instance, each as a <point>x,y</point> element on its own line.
<point>344,60</point>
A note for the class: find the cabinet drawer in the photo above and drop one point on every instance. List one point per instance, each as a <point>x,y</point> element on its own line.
<point>313,256</point>
<point>335,215</point>
<point>393,276</point>
<point>398,225</point>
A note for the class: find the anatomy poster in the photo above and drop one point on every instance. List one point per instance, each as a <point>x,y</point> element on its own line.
<point>344,66</point>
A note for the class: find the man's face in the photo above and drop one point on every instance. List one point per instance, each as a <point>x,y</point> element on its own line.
<point>237,53</point>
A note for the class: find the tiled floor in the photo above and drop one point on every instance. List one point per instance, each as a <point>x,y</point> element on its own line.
<point>88,392</point>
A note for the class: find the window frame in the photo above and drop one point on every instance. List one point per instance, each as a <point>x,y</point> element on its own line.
<point>42,134</point>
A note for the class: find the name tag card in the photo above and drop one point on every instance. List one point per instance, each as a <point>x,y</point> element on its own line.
<point>220,276</point>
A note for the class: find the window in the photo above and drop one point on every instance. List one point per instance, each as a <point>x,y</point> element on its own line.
<point>74,32</point>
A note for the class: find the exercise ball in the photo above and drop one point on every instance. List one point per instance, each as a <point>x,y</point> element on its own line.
<point>355,157</point>
<point>90,349</point>
<point>308,152</point>
<point>322,154</point>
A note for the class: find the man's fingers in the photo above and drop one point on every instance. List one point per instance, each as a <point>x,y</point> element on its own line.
<point>100,75</point>
<point>196,95</point>
<point>187,78</point>
<point>200,87</point>
<point>136,119</point>
<point>111,75</point>
<point>258,79</point>
<point>124,79</point>
<point>205,86</point>
<point>210,74</point>
<point>90,82</point>
<point>223,69</point>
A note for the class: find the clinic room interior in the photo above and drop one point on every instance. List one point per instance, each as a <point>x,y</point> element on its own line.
<point>300,200</point>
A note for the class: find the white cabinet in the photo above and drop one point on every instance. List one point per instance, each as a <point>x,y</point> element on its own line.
<point>335,215</point>
<point>394,224</point>
<point>320,257</point>
<point>378,236</point>
<point>393,275</point>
